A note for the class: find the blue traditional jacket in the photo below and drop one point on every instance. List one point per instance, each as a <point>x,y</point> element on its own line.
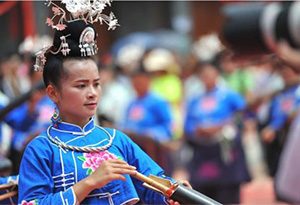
<point>213,108</point>
<point>282,106</point>
<point>150,116</point>
<point>48,172</point>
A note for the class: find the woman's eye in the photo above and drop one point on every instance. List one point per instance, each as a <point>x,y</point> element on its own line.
<point>97,84</point>
<point>80,86</point>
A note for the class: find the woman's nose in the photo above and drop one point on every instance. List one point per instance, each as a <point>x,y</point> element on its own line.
<point>92,92</point>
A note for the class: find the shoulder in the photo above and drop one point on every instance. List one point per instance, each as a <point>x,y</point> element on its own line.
<point>226,91</point>
<point>40,144</point>
<point>155,98</point>
<point>117,135</point>
<point>40,140</point>
<point>194,99</point>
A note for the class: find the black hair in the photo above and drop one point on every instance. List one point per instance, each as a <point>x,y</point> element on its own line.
<point>140,70</point>
<point>53,70</point>
<point>200,65</point>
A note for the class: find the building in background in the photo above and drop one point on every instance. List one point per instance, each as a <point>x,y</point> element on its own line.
<point>20,19</point>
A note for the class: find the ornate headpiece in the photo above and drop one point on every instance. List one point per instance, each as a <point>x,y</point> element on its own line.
<point>75,34</point>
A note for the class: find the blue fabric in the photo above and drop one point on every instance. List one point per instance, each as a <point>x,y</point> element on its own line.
<point>150,116</point>
<point>45,109</point>
<point>282,106</point>
<point>212,109</point>
<point>6,180</point>
<point>47,172</point>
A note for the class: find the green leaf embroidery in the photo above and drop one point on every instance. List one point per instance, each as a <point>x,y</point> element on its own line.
<point>82,158</point>
<point>89,171</point>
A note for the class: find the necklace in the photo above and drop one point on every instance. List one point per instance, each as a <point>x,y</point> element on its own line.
<point>84,148</point>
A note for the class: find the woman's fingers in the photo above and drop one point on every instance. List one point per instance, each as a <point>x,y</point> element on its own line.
<point>117,161</point>
<point>118,167</point>
<point>186,183</point>
<point>111,170</point>
<point>123,171</point>
<point>172,202</point>
<point>124,167</point>
<point>117,177</point>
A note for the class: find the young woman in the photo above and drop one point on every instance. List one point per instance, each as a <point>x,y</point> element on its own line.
<point>218,165</point>
<point>75,161</point>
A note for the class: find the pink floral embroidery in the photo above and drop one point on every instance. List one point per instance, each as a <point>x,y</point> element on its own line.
<point>209,170</point>
<point>32,202</point>
<point>91,161</point>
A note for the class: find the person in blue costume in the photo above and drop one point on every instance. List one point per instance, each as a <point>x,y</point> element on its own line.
<point>148,114</point>
<point>20,118</point>
<point>44,108</point>
<point>283,108</point>
<point>217,167</point>
<point>75,161</point>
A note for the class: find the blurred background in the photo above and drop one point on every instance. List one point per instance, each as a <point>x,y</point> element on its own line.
<point>226,79</point>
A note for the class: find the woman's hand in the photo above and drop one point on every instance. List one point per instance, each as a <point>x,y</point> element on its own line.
<point>110,170</point>
<point>268,135</point>
<point>185,183</point>
<point>288,54</point>
<point>208,131</point>
<point>172,202</point>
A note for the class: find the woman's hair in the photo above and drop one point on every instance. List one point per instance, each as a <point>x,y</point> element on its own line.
<point>54,70</point>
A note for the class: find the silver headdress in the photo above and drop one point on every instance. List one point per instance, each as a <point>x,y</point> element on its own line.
<point>88,10</point>
<point>74,24</point>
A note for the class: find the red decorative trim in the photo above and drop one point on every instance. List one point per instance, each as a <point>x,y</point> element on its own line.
<point>171,190</point>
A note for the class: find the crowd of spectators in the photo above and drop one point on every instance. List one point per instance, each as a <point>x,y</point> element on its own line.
<point>189,114</point>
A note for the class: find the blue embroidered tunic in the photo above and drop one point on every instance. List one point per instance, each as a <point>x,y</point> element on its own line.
<point>48,172</point>
<point>282,106</point>
<point>149,115</point>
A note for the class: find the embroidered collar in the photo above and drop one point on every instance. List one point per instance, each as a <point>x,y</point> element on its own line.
<point>75,129</point>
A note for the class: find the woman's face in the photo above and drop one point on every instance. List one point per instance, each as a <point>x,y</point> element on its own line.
<point>141,84</point>
<point>209,76</point>
<point>78,95</point>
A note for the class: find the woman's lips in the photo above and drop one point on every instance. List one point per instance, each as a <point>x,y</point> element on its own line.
<point>91,105</point>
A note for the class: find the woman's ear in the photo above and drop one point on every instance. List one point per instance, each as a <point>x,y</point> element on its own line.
<point>52,93</point>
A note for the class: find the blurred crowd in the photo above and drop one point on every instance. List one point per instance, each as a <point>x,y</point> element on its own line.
<point>190,112</point>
